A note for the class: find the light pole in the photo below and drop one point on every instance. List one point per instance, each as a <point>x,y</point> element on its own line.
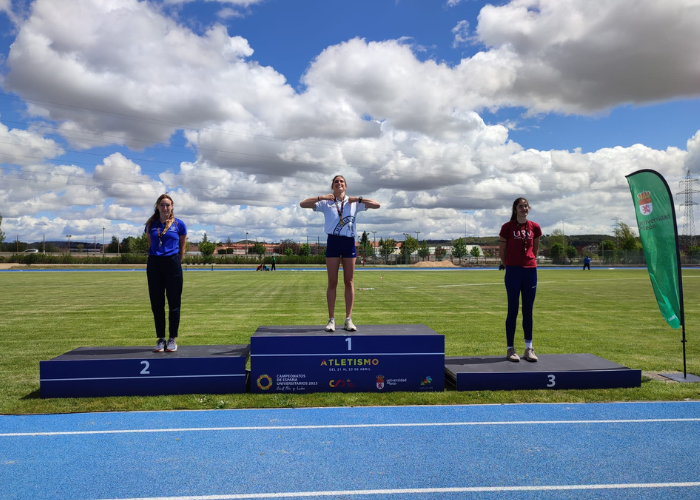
<point>563,235</point>
<point>374,245</point>
<point>68,236</point>
<point>465,225</point>
<point>103,241</point>
<point>246,242</point>
<point>417,233</point>
<point>405,236</point>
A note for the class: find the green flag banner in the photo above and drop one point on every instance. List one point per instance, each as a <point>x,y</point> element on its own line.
<point>656,219</point>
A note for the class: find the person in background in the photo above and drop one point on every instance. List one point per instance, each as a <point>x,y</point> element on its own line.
<point>519,244</point>
<point>167,238</point>
<point>586,263</point>
<point>340,211</point>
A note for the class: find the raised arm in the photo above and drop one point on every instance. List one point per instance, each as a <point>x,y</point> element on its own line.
<point>311,202</point>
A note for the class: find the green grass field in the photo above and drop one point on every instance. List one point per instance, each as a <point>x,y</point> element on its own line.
<point>611,314</point>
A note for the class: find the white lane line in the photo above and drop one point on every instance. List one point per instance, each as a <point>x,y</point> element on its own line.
<point>500,283</point>
<point>615,279</point>
<point>350,426</point>
<point>424,491</point>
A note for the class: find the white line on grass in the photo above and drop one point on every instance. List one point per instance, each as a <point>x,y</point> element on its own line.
<point>500,283</point>
<point>349,426</point>
<point>424,491</point>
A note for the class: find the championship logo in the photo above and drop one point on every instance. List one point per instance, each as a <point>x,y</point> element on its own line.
<point>264,382</point>
<point>380,382</point>
<point>426,380</point>
<point>644,199</point>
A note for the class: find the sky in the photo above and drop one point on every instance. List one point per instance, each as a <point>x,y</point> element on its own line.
<point>444,111</point>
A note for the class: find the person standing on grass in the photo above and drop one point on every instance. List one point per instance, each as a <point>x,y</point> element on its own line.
<point>340,212</point>
<point>586,263</point>
<point>519,243</point>
<point>166,237</point>
<point>273,263</point>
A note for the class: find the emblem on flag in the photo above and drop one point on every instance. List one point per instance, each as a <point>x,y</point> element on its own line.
<point>644,200</point>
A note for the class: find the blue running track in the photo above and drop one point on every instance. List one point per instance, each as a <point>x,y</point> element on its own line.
<point>544,451</point>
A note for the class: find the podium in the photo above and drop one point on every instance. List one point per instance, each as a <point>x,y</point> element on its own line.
<point>138,371</point>
<point>552,371</point>
<point>376,358</point>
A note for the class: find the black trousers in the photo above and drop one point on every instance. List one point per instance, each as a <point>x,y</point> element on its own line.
<point>165,278</point>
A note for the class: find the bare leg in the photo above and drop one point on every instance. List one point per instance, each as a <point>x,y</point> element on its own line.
<point>332,266</point>
<point>348,273</point>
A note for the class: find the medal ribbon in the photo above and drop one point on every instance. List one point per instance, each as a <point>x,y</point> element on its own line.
<point>340,210</point>
<point>161,230</point>
<point>523,235</point>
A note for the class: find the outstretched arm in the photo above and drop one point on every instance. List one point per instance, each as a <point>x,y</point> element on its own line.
<point>311,202</point>
<point>368,203</point>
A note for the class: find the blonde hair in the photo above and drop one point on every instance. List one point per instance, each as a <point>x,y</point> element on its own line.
<point>156,214</point>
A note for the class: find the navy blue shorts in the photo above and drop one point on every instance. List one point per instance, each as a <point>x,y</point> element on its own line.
<point>340,246</point>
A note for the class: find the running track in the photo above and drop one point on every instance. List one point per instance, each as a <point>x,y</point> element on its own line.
<point>549,451</point>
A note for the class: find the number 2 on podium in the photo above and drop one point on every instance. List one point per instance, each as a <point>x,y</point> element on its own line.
<point>349,341</point>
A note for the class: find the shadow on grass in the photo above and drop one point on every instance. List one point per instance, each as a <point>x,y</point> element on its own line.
<point>33,395</point>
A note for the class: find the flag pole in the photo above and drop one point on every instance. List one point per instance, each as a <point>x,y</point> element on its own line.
<point>680,274</point>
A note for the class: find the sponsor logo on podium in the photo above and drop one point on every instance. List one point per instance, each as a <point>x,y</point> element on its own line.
<point>340,383</point>
<point>380,382</point>
<point>426,380</point>
<point>349,362</point>
<point>264,382</point>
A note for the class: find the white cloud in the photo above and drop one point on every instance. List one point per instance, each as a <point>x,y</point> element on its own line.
<point>578,56</point>
<point>461,33</point>
<point>24,147</point>
<point>402,130</point>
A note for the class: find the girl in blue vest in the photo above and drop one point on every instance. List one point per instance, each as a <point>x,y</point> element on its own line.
<point>166,237</point>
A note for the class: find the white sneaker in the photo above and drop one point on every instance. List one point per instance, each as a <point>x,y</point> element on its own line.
<point>172,345</point>
<point>349,326</point>
<point>330,327</point>
<point>160,346</point>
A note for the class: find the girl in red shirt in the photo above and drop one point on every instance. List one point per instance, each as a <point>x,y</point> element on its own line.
<point>519,243</point>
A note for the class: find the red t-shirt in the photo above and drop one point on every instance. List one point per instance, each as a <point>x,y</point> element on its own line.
<point>519,240</point>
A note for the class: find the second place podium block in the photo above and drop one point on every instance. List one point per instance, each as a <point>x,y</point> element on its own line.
<point>377,358</point>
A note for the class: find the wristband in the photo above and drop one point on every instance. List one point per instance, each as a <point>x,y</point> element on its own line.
<point>360,199</point>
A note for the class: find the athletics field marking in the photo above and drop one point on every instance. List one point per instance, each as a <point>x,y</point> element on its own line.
<point>351,426</point>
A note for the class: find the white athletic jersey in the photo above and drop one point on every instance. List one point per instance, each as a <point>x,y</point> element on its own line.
<point>334,224</point>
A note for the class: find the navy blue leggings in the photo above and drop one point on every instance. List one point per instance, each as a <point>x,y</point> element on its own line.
<point>520,281</point>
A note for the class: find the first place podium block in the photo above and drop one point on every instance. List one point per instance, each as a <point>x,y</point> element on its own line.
<point>376,358</point>
<point>138,371</point>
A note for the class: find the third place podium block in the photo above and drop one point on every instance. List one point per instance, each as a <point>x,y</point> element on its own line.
<point>376,358</point>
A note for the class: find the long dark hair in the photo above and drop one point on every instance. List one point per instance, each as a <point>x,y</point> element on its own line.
<point>514,214</point>
<point>156,214</point>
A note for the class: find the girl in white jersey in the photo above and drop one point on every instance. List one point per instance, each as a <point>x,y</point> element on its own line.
<point>340,211</point>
